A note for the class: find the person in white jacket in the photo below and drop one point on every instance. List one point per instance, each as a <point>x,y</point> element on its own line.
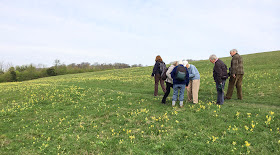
<point>169,81</point>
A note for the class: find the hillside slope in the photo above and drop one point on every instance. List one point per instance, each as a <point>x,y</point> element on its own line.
<point>114,112</point>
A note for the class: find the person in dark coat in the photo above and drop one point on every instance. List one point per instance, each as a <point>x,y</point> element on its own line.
<point>179,84</point>
<point>157,75</point>
<point>220,75</point>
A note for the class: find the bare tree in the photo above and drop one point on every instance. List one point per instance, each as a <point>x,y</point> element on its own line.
<point>1,67</point>
<point>8,66</point>
<point>56,62</point>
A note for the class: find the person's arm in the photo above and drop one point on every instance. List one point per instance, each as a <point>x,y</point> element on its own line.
<point>173,72</point>
<point>187,78</point>
<point>191,72</point>
<point>218,70</point>
<point>234,65</point>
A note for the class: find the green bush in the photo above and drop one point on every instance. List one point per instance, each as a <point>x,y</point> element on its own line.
<point>51,72</point>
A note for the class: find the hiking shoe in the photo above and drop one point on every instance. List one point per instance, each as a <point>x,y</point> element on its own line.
<point>226,98</point>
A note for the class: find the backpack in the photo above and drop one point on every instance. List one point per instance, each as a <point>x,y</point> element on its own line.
<point>181,73</point>
<point>162,67</point>
<point>163,74</point>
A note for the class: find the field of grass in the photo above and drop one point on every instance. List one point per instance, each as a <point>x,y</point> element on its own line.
<point>114,112</point>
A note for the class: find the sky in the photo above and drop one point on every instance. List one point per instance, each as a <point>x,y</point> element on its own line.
<point>134,31</point>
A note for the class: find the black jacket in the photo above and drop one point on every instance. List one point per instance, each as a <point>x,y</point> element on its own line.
<point>220,71</point>
<point>156,69</point>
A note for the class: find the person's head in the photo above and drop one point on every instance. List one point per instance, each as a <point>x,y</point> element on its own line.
<point>185,63</point>
<point>158,58</point>
<point>232,52</point>
<point>213,58</point>
<point>175,63</point>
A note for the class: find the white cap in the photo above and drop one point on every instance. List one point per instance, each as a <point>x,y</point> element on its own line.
<point>180,62</point>
<point>185,62</point>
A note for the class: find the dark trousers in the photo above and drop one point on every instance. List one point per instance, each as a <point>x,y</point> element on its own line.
<point>220,93</point>
<point>237,81</point>
<point>157,80</point>
<point>168,86</point>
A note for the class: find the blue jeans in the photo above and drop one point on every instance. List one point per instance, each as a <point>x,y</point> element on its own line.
<point>220,93</point>
<point>176,88</point>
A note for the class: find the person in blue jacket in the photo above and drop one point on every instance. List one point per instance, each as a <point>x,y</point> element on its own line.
<point>180,78</point>
<point>194,83</point>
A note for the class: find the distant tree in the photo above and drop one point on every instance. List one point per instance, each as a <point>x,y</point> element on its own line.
<point>135,65</point>
<point>1,67</point>
<point>85,65</point>
<point>21,68</point>
<point>13,74</point>
<point>72,65</point>
<point>51,71</point>
<point>56,63</point>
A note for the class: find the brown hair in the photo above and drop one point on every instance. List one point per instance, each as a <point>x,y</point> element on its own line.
<point>158,58</point>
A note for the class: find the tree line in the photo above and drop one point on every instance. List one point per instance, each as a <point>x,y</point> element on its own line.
<point>29,72</point>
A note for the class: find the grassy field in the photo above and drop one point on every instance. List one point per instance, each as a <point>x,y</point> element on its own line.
<point>114,112</point>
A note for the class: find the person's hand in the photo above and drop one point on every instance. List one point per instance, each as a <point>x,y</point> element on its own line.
<point>186,87</point>
<point>233,75</point>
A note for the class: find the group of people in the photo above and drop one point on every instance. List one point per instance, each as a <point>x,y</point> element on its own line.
<point>181,75</point>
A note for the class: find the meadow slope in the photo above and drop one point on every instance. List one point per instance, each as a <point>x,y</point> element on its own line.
<point>114,112</point>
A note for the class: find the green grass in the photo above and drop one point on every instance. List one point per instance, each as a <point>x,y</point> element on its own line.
<point>114,112</point>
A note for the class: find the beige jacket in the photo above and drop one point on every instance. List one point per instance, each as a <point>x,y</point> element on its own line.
<point>168,74</point>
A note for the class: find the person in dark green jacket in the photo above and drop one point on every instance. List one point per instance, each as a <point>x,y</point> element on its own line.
<point>236,75</point>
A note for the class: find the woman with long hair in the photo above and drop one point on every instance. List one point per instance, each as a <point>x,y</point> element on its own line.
<point>157,75</point>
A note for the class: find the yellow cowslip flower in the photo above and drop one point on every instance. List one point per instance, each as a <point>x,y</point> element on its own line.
<point>235,128</point>
<point>132,137</point>
<point>237,114</point>
<point>121,141</point>
<point>177,121</point>
<point>249,114</point>
<point>271,113</point>
<point>246,127</point>
<point>247,144</point>
<point>214,138</point>
<point>234,143</point>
